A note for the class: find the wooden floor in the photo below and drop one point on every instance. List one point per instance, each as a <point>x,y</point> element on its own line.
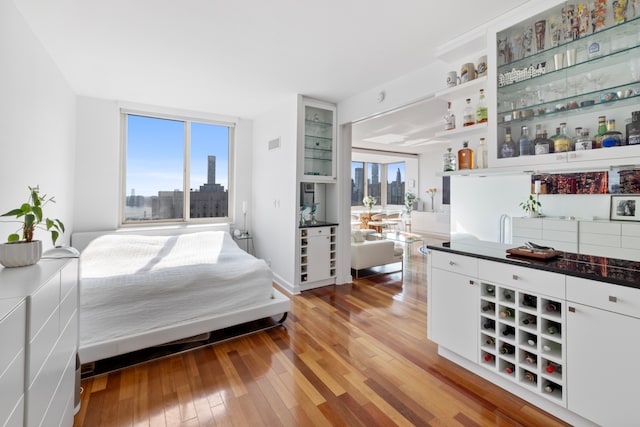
<point>351,355</point>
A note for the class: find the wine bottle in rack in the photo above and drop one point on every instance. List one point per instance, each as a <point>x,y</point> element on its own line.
<point>550,387</point>
<point>488,307</point>
<point>488,357</point>
<point>490,289</point>
<point>552,330</point>
<point>552,307</point>
<point>553,367</point>
<point>530,358</point>
<point>507,349</point>
<point>529,320</point>
<point>507,294</point>
<point>529,376</point>
<point>529,301</point>
<point>532,342</point>
<point>506,312</point>
<point>490,341</point>
<point>489,324</point>
<point>508,330</point>
<point>510,369</point>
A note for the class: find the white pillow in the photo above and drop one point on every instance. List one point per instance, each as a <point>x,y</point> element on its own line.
<point>357,236</point>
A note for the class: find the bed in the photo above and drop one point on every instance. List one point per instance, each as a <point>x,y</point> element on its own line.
<point>138,291</point>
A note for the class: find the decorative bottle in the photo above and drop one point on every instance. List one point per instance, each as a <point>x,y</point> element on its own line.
<point>574,140</point>
<point>506,312</point>
<point>450,161</point>
<point>584,142</point>
<point>481,109</point>
<point>508,148</point>
<point>524,144</point>
<point>602,128</point>
<point>633,129</point>
<point>612,137</point>
<point>561,142</point>
<point>465,156</point>
<point>449,119</point>
<point>482,157</point>
<point>468,116</point>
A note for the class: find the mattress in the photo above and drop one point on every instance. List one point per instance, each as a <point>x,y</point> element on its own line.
<point>132,284</point>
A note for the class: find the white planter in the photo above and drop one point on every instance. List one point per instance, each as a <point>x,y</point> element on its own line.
<point>20,254</point>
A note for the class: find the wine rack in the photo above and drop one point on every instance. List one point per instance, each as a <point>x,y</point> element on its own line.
<point>521,338</point>
<point>318,256</point>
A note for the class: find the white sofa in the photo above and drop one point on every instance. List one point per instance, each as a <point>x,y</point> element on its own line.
<point>370,253</point>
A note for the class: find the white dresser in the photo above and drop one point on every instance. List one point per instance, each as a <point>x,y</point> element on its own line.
<point>39,323</point>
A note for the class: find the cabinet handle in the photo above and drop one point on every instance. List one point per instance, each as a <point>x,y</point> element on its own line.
<point>572,309</point>
<point>613,299</point>
<point>452,263</point>
<point>515,277</point>
<point>471,282</point>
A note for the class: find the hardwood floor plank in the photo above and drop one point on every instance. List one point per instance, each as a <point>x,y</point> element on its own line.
<point>349,355</point>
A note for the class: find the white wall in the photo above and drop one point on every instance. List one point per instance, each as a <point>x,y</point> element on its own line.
<point>37,120</point>
<point>274,190</point>
<point>99,157</point>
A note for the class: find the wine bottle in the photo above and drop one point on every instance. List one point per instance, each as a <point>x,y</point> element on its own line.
<point>508,295</point>
<point>529,376</point>
<point>508,330</point>
<point>553,367</point>
<point>468,114</point>
<point>506,312</point>
<point>449,119</point>
<point>465,157</point>
<point>490,341</point>
<point>488,324</point>
<point>550,387</point>
<point>506,349</point>
<point>487,307</point>
<point>481,109</point>
<point>488,357</point>
<point>552,330</point>
<point>529,300</point>
<point>510,369</point>
<point>551,307</point>
<point>490,290</point>
<point>532,342</point>
<point>529,320</point>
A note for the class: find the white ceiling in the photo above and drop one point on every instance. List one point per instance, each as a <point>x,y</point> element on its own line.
<point>240,57</point>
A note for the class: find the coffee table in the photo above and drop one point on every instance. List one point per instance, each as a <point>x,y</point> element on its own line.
<point>407,239</point>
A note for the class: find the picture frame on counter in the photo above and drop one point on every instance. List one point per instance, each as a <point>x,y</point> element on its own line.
<point>625,208</point>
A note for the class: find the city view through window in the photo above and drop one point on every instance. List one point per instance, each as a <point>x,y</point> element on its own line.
<point>376,179</point>
<point>156,170</point>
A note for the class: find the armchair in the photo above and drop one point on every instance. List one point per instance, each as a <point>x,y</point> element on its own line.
<point>372,253</point>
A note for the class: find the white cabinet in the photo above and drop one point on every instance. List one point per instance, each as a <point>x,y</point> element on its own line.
<point>317,256</point>
<point>453,303</point>
<point>49,335</point>
<point>317,141</point>
<point>603,351</point>
<point>12,360</point>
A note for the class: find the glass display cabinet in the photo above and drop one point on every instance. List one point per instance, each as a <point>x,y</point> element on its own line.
<point>566,67</point>
<point>319,135</point>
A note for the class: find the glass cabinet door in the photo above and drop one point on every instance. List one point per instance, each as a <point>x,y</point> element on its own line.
<point>319,143</point>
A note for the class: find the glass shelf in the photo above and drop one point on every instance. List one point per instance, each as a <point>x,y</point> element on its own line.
<point>630,27</point>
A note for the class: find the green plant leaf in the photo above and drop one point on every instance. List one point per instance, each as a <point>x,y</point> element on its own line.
<point>54,236</point>
<point>13,237</point>
<point>37,210</point>
<point>29,220</point>
<point>15,212</point>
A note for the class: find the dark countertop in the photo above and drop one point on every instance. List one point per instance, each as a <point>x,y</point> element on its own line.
<point>609,270</point>
<point>307,224</point>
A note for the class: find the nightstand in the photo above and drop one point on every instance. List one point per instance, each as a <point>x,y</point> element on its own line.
<point>245,241</point>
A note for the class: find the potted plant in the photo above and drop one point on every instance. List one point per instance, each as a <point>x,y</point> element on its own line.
<point>369,202</point>
<point>20,249</point>
<point>531,206</point>
<point>409,200</point>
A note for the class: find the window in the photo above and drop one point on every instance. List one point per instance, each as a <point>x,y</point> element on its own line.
<point>170,164</point>
<point>395,183</point>
<point>357,183</point>
<point>376,179</point>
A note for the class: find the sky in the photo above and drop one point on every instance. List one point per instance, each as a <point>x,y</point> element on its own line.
<point>155,154</point>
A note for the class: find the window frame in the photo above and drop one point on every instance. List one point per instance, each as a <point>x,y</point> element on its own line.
<point>186,170</point>
<point>382,200</point>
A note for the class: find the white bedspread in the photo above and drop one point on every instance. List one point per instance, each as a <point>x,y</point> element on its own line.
<point>131,284</point>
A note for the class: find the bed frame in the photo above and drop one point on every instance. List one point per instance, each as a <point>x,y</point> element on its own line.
<point>278,305</point>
